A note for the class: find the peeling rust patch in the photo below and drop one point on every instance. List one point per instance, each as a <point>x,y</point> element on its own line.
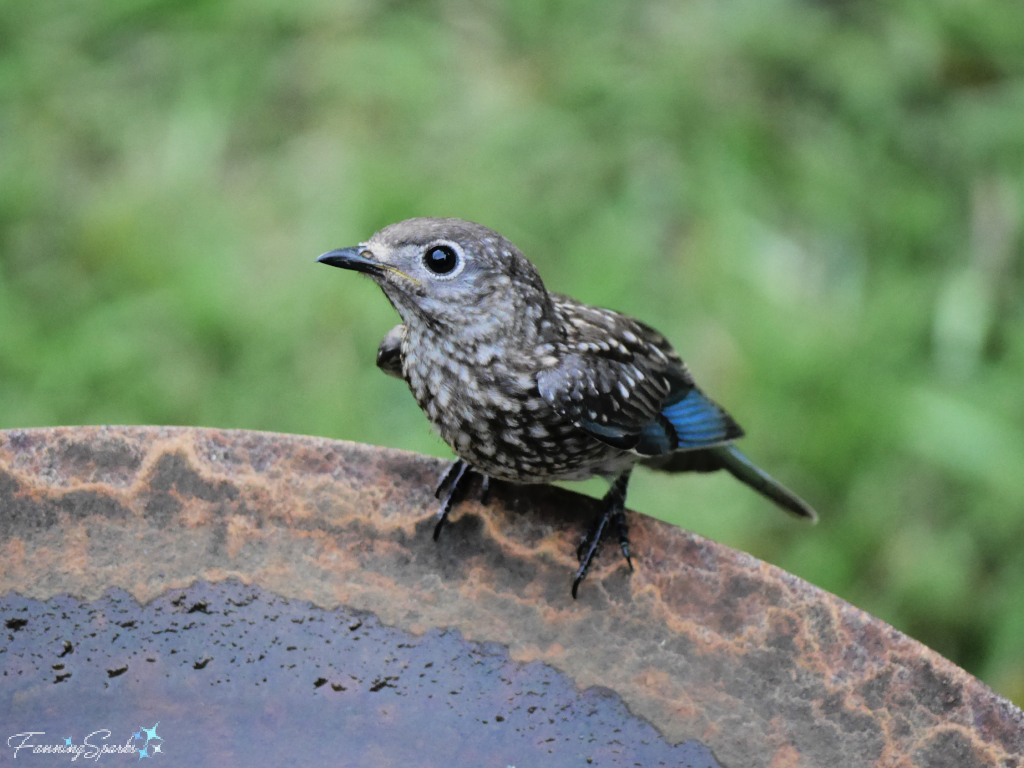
<point>83,458</point>
<point>704,642</point>
<point>174,472</point>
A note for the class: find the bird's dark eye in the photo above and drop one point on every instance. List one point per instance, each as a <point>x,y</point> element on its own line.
<point>440,259</point>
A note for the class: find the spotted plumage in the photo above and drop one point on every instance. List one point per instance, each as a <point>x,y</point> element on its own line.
<point>529,386</point>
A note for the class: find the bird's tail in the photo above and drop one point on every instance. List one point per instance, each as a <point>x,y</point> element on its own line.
<point>744,470</point>
<point>739,466</point>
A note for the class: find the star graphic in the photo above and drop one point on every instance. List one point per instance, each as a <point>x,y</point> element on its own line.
<point>156,748</point>
<point>143,753</point>
<point>67,741</point>
<point>151,733</point>
<point>137,735</point>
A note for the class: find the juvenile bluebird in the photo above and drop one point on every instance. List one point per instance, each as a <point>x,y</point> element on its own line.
<point>530,386</point>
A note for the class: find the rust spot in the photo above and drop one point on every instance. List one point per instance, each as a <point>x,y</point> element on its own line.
<point>949,749</point>
<point>21,513</point>
<point>78,505</point>
<point>173,472</point>
<point>874,690</point>
<point>936,692</point>
<point>99,456</point>
<point>162,508</point>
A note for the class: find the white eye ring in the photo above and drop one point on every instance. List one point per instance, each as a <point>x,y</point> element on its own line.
<point>442,261</point>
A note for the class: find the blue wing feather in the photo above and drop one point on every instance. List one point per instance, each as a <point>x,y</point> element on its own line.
<point>687,422</point>
<point>698,421</point>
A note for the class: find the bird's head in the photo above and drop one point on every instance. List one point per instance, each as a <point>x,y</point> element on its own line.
<point>451,275</point>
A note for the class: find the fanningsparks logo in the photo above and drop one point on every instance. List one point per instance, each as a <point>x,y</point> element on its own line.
<point>92,746</point>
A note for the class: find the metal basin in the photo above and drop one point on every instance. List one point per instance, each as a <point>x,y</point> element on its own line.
<point>237,598</point>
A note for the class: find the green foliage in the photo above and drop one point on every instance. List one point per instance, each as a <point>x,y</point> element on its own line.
<point>819,203</point>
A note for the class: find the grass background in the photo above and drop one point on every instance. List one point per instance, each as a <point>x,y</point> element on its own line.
<point>820,203</point>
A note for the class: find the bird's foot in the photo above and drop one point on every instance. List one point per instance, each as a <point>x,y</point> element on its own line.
<point>613,510</point>
<point>623,531</point>
<point>589,548</point>
<point>452,488</point>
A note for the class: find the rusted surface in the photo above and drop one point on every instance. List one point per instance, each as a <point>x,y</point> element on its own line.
<point>704,642</point>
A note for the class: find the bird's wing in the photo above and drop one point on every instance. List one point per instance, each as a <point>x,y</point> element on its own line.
<point>389,353</point>
<point>621,382</point>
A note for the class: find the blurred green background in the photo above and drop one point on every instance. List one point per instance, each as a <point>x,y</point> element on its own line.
<point>820,203</point>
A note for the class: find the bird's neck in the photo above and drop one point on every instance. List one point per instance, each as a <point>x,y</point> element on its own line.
<point>491,334</point>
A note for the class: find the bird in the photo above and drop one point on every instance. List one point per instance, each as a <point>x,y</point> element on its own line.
<point>531,386</point>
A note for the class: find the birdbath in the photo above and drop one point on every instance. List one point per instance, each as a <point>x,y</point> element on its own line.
<point>230,598</point>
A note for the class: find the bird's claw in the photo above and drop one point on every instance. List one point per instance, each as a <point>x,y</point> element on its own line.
<point>576,583</point>
<point>452,487</point>
<point>613,511</point>
<point>439,525</point>
<point>589,549</point>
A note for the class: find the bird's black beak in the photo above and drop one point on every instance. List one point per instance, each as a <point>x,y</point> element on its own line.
<point>352,258</point>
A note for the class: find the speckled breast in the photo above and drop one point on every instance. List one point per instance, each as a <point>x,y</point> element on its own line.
<point>494,418</point>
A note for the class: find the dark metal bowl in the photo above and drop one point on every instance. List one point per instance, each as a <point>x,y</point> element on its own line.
<point>270,599</point>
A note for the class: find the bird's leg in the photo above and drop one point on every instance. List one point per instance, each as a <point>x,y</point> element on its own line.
<point>613,508</point>
<point>450,476</point>
<point>457,481</point>
<point>623,531</point>
<point>453,486</point>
